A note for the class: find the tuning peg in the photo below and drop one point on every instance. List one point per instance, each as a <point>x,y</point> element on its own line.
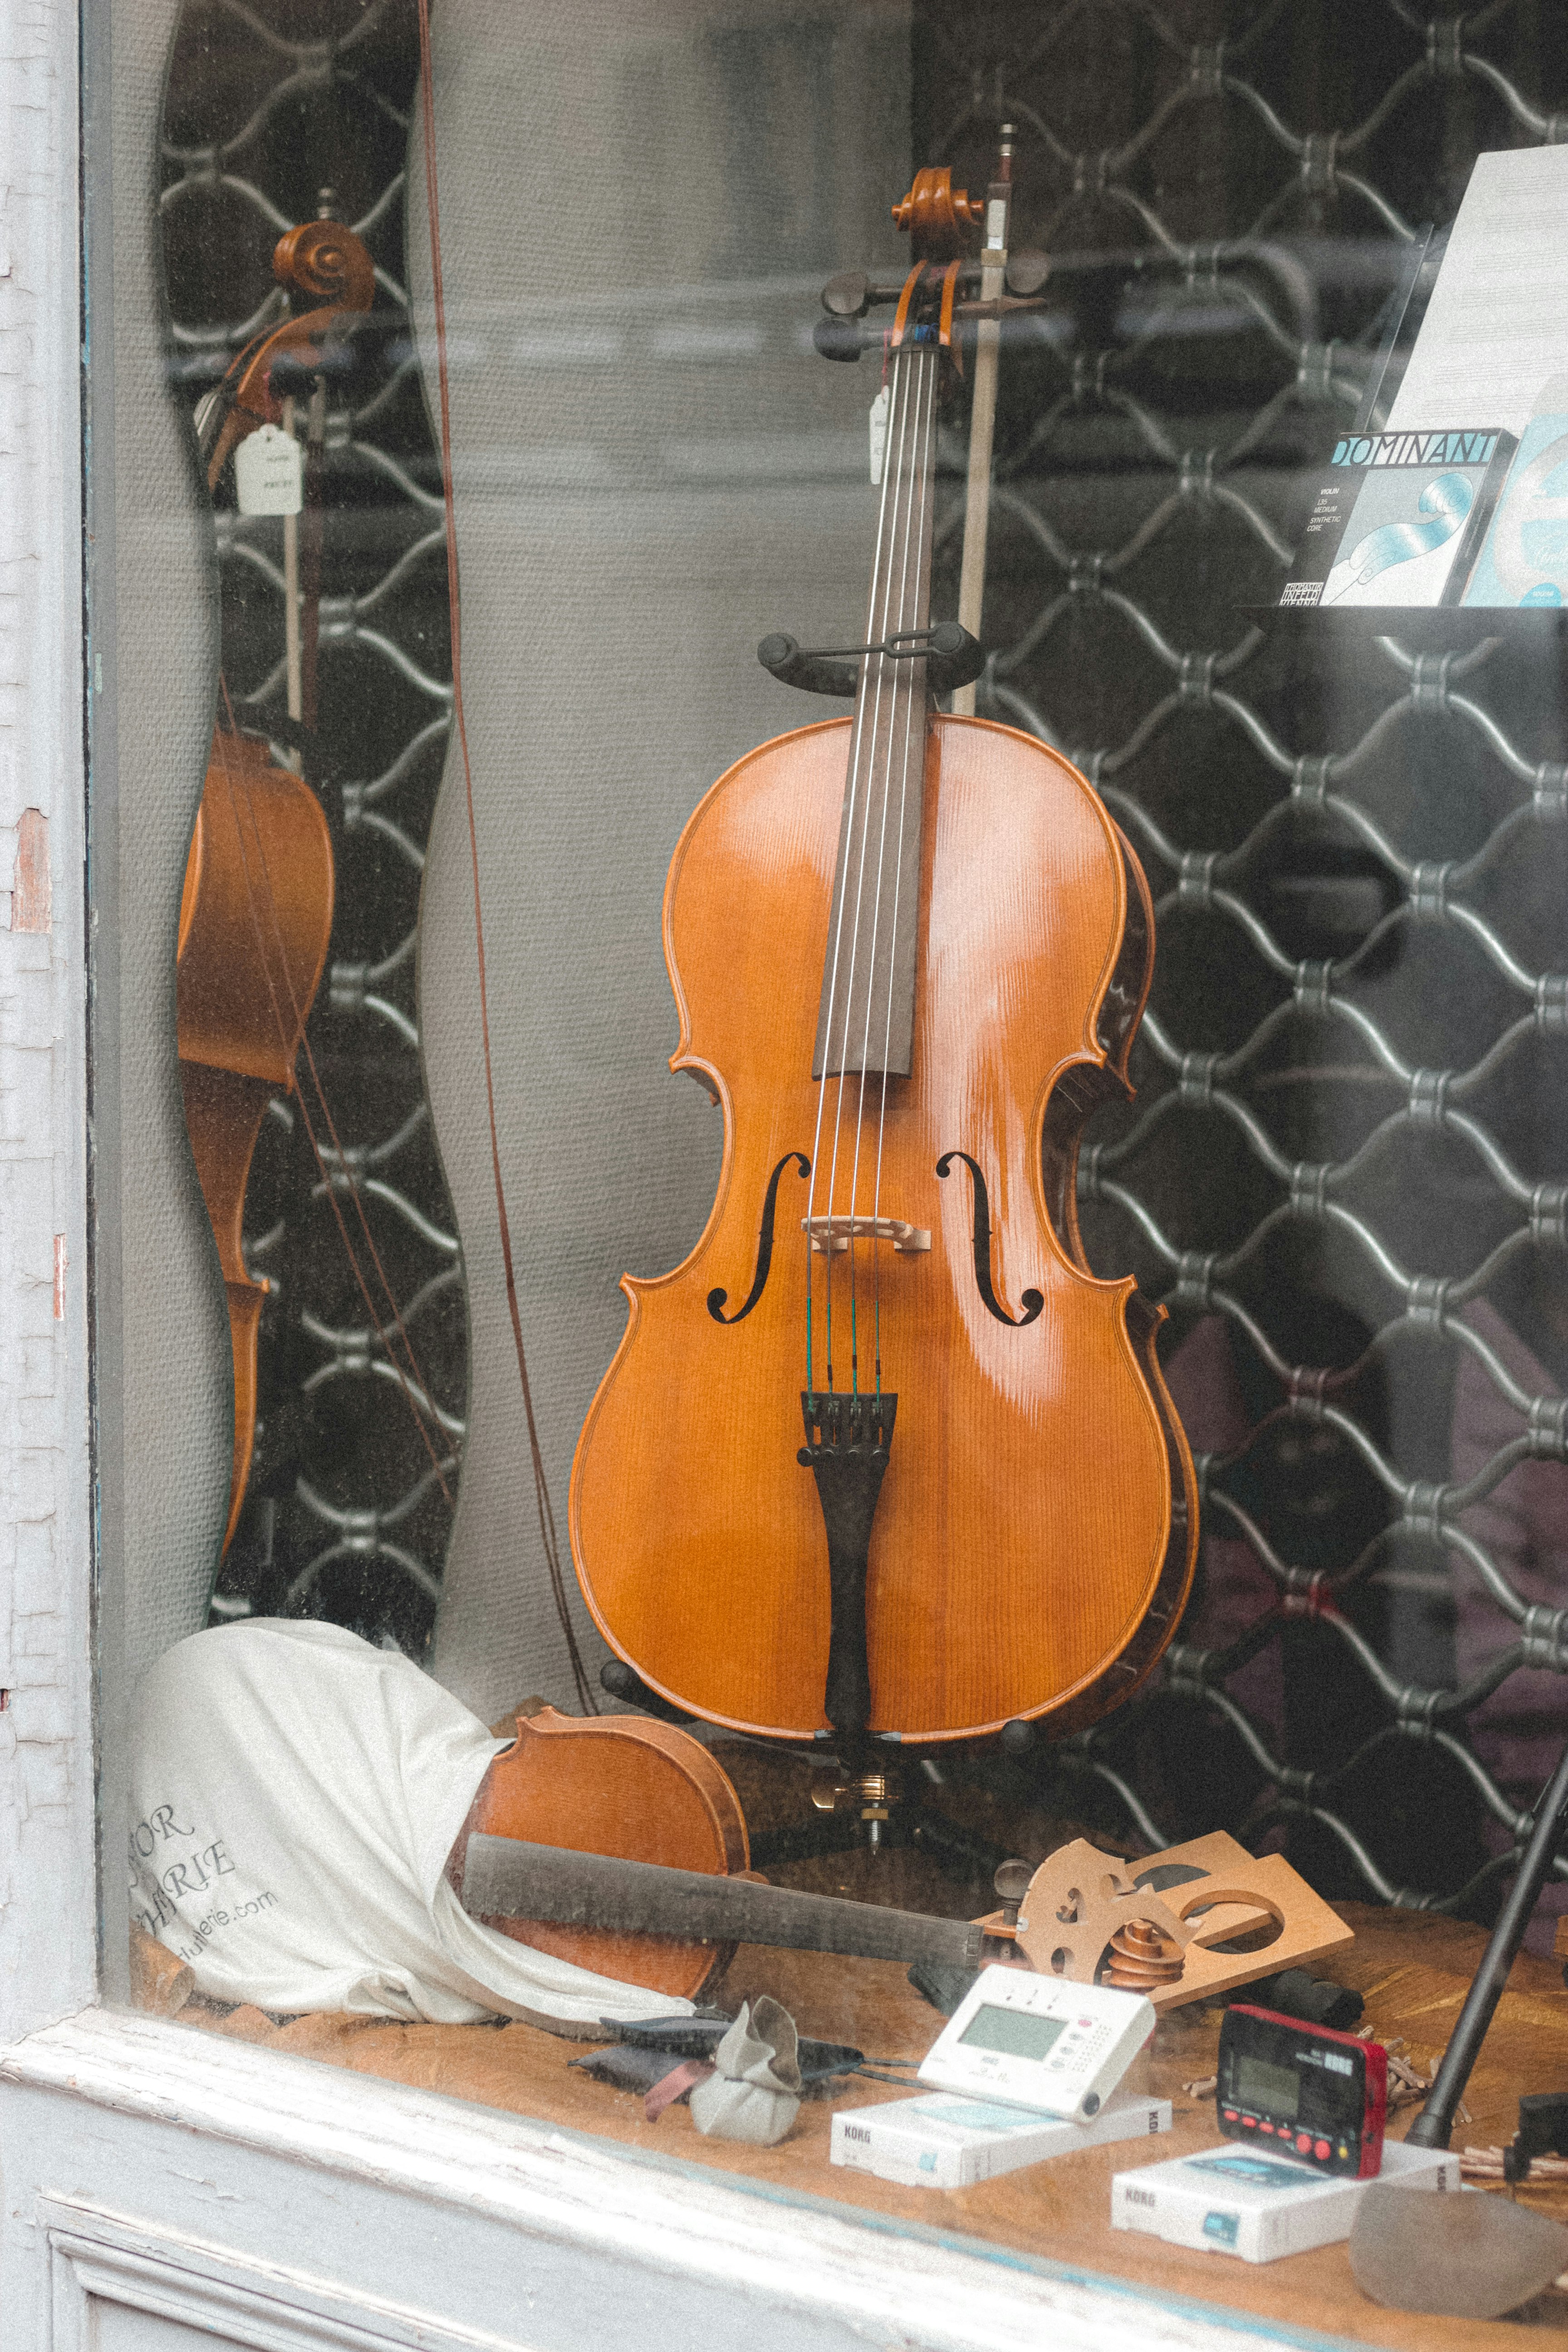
<point>1012,1883</point>
<point>838,339</point>
<point>847,295</point>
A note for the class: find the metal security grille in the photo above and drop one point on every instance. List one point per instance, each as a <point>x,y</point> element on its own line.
<point>1344,1171</point>
<point>274,112</point>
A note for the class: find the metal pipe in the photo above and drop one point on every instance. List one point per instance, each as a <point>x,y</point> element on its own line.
<point>1433,2127</point>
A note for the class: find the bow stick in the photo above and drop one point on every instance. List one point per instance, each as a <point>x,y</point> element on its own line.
<point>540,1488</point>
<point>983,409</point>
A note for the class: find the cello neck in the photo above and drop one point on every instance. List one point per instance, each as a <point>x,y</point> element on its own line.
<point>866,1017</point>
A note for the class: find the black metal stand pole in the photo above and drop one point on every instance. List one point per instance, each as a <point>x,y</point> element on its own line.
<point>1433,2127</point>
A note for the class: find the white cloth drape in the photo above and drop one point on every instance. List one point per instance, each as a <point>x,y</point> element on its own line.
<point>295,1794</point>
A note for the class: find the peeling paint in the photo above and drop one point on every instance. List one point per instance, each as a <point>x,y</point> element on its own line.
<point>46,1878</point>
<point>31,900</point>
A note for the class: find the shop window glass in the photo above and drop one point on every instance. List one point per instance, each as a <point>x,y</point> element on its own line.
<point>1342,1171</point>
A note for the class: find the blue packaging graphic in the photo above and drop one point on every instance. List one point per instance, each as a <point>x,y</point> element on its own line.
<point>1399,518</point>
<point>1524,560</point>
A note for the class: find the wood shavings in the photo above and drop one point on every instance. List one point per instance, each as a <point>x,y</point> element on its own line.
<point>1486,2164</point>
<point>1407,2081</point>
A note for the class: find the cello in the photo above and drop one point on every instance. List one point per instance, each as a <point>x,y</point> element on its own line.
<point>910,952</point>
<point>255,909</point>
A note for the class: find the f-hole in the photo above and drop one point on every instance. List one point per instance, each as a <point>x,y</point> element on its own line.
<point>1032,1301</point>
<point>716,1298</point>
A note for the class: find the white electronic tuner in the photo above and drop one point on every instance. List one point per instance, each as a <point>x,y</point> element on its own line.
<point>1037,2042</point>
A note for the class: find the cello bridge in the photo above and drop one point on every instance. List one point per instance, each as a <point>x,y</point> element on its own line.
<point>830,1234</point>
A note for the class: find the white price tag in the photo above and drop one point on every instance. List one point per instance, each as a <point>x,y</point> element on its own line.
<point>879,434</point>
<point>269,473</point>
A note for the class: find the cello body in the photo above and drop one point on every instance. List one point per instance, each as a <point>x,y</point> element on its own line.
<point>255,917</point>
<point>1034,1536</point>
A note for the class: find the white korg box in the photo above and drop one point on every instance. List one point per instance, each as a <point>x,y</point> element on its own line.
<point>947,2141</point>
<point>1240,2200</point>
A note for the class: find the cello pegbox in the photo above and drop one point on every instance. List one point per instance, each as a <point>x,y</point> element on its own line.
<point>326,265</point>
<point>939,218</point>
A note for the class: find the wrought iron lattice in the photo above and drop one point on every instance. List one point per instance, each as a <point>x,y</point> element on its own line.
<point>1344,1171</point>
<point>274,112</point>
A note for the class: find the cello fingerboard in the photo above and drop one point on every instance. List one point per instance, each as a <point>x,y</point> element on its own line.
<point>866,1018</point>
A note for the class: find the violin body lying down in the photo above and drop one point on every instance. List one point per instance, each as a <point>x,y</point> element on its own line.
<point>638,1794</point>
<point>619,1845</point>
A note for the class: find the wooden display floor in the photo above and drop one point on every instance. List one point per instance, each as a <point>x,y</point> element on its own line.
<point>1413,1968</point>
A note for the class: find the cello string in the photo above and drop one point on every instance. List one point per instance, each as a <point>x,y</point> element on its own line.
<point>547,1533</point>
<point>877,629</point>
<point>903,700</point>
<point>253,900</point>
<point>312,597</point>
<point>301,707</point>
<point>865,700</point>
<point>892,614</point>
<point>927,459</point>
<point>876,626</point>
<point>875,807</point>
<point>863,744</point>
<point>309,649</point>
<point>910,619</point>
<point>904,697</point>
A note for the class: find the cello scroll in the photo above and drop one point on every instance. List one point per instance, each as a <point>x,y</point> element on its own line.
<point>325,263</point>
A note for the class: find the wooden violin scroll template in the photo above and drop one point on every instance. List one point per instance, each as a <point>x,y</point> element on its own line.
<point>883,1459</point>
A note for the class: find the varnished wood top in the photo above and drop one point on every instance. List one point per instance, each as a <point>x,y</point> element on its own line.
<point>1025,1558</point>
<point>1413,1968</point>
